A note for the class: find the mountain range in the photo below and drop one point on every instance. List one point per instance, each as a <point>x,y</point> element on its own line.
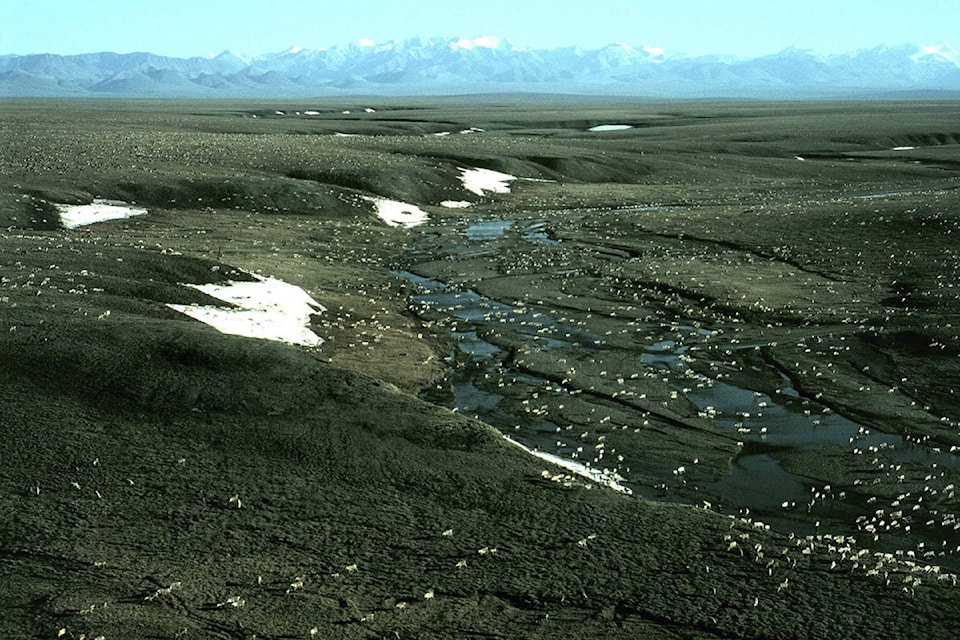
<point>433,66</point>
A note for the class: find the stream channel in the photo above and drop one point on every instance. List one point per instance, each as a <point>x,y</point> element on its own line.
<point>760,424</point>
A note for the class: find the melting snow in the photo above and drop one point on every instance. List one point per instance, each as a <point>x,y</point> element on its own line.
<point>480,180</point>
<point>73,216</point>
<point>610,127</point>
<point>267,308</point>
<point>311,113</point>
<point>455,204</point>
<point>397,214</point>
<point>600,476</point>
<point>903,148</point>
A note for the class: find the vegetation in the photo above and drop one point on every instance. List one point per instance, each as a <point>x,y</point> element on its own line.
<point>162,479</point>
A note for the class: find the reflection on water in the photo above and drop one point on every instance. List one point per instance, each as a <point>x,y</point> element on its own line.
<point>488,230</point>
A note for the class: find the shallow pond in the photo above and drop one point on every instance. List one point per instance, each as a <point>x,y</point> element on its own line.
<point>770,426</point>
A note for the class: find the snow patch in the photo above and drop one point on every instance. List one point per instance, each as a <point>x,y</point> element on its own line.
<point>397,214</point>
<point>944,52</point>
<point>267,308</point>
<point>903,148</point>
<point>481,180</point>
<point>231,54</point>
<point>600,476</point>
<point>73,216</point>
<point>483,42</point>
<point>456,204</point>
<point>611,127</point>
<point>311,113</point>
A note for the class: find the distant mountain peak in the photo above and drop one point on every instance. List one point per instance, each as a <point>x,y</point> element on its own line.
<point>484,42</point>
<point>655,52</point>
<point>943,51</point>
<point>433,65</point>
<point>227,54</point>
<point>627,52</point>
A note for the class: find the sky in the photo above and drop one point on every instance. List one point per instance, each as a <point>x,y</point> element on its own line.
<point>184,28</point>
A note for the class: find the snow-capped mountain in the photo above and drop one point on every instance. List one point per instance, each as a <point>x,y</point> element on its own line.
<point>424,65</point>
<point>937,53</point>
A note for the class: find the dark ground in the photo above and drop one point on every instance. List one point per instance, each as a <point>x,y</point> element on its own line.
<point>161,479</point>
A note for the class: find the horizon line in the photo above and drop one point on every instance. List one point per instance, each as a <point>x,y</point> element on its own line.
<point>365,43</point>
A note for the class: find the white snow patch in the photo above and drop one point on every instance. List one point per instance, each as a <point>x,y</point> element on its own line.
<point>442,133</point>
<point>654,51</point>
<point>480,180</point>
<point>600,476</point>
<point>366,42</point>
<point>456,204</point>
<point>370,110</point>
<point>484,42</point>
<point>491,42</point>
<point>73,216</point>
<point>903,148</point>
<point>311,113</point>
<point>611,127</point>
<point>232,54</point>
<point>397,214</point>
<point>944,51</point>
<point>800,158</point>
<point>267,308</point>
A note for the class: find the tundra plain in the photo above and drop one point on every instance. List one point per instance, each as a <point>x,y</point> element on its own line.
<point>744,314</point>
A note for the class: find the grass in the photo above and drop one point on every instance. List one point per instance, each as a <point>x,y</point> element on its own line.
<point>158,474</point>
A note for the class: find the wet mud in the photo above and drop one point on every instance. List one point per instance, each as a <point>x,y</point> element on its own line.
<point>648,382</point>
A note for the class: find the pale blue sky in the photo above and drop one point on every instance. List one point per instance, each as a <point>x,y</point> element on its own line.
<point>694,27</point>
